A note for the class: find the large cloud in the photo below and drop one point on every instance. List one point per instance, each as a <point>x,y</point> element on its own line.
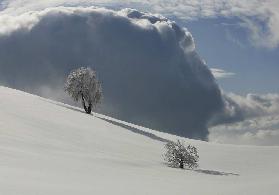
<point>150,71</point>
<point>259,17</point>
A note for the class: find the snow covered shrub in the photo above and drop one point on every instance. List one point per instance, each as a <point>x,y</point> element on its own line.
<point>82,84</point>
<point>178,155</point>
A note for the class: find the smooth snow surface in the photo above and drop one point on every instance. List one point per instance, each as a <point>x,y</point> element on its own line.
<point>51,148</point>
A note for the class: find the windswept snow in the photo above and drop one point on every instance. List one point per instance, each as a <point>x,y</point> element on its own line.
<point>48,147</point>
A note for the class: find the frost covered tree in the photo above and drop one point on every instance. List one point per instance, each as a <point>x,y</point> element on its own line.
<point>82,84</point>
<point>179,155</point>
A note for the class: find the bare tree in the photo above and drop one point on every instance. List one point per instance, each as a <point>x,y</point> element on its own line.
<point>82,84</point>
<point>179,155</point>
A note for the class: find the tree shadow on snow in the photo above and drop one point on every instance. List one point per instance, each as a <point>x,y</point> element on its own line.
<point>148,134</point>
<point>133,129</point>
<point>212,172</point>
<point>136,130</point>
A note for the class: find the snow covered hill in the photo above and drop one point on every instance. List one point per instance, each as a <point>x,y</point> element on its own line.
<point>48,147</point>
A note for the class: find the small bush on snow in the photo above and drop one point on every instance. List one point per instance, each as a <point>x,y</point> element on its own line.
<point>179,155</point>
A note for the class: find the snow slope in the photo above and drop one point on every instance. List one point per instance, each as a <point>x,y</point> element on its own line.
<point>48,147</point>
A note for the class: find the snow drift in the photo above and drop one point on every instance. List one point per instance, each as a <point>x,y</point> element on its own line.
<point>48,147</point>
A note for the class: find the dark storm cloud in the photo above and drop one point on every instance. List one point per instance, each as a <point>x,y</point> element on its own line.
<point>148,66</point>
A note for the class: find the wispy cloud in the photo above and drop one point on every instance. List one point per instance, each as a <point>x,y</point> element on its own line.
<point>221,74</point>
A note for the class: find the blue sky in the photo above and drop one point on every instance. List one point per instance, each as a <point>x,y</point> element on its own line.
<point>225,45</point>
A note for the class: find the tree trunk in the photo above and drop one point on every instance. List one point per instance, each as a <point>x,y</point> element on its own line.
<point>87,109</point>
<point>181,164</point>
